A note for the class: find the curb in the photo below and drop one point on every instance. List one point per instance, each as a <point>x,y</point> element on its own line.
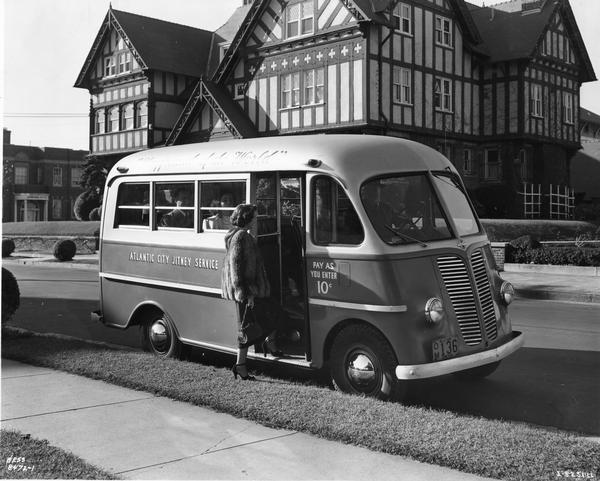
<point>526,293</point>
<point>50,262</point>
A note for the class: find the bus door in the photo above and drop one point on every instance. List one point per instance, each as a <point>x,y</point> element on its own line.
<point>279,197</point>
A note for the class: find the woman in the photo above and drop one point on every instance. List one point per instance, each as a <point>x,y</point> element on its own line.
<point>244,280</point>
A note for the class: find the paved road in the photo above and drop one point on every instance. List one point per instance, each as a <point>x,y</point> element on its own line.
<point>551,381</point>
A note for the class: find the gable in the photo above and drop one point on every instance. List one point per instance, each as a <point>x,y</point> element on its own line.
<point>283,20</point>
<point>115,58</point>
<point>556,43</point>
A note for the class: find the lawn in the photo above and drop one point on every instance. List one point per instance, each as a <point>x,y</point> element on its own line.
<point>24,457</point>
<point>57,228</point>
<point>492,448</point>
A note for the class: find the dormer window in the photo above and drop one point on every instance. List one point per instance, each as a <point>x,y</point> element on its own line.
<point>110,66</point>
<point>300,19</point>
<point>125,62</point>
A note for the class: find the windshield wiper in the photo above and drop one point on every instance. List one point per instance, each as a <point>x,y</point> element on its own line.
<point>404,236</point>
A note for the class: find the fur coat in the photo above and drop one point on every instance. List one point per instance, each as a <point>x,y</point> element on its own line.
<point>243,272</point>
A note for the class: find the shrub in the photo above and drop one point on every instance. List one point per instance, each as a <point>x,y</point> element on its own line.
<point>559,256</point>
<point>64,250</point>
<point>525,242</point>
<point>84,204</point>
<point>11,296</point>
<point>8,247</point>
<point>96,213</point>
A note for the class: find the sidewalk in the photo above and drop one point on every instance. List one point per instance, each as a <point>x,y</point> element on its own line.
<point>136,435</point>
<point>528,285</point>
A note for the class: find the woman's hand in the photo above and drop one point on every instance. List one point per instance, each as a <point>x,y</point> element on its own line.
<point>251,302</point>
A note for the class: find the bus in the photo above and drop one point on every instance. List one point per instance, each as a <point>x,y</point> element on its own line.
<point>371,245</point>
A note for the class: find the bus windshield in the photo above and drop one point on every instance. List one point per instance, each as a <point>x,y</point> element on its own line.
<point>404,209</point>
<point>458,204</point>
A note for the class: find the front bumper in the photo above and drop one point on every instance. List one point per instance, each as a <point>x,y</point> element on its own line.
<point>433,369</point>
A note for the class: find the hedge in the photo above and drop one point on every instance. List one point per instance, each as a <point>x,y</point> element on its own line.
<point>558,256</point>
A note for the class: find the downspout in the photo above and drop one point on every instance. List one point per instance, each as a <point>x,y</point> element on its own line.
<point>379,93</point>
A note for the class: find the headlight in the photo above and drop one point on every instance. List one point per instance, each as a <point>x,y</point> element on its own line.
<point>507,291</point>
<point>434,310</point>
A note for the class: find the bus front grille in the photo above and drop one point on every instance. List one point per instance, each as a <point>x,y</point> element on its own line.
<point>458,285</point>
<point>485,295</point>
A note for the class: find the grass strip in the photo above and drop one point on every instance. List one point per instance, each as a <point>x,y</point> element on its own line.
<point>51,228</point>
<point>497,449</point>
<point>24,457</point>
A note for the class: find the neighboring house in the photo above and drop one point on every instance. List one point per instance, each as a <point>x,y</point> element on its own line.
<point>39,183</point>
<point>496,90</point>
<point>585,165</point>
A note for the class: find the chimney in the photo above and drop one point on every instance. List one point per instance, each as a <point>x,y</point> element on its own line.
<point>6,136</point>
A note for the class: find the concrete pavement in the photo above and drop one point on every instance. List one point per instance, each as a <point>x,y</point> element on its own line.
<point>136,435</point>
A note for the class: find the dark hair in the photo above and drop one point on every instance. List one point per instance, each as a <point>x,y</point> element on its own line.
<point>243,214</point>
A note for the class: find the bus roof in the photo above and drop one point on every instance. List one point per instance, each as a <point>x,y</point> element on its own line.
<point>352,158</point>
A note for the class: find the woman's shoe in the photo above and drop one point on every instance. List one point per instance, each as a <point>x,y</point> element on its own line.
<point>270,346</point>
<point>247,377</point>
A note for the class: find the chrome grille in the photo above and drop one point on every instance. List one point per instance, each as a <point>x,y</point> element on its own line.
<point>458,285</point>
<point>485,295</point>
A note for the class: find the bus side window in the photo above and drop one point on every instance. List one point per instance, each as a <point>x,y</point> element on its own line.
<point>217,202</point>
<point>174,205</point>
<point>133,205</point>
<point>335,220</point>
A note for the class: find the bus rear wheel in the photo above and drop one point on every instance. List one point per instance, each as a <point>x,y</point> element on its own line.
<point>362,362</point>
<point>159,337</point>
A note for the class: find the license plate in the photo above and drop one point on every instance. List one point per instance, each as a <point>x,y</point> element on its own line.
<point>444,348</point>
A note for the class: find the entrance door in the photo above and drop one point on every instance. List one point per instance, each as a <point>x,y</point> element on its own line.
<point>281,218</point>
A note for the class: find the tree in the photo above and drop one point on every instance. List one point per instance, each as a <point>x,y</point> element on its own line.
<point>94,175</point>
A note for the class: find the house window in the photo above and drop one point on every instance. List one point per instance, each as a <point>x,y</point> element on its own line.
<point>300,19</point>
<point>491,165</point>
<point>468,167</point>
<point>443,31</point>
<point>523,164</point>
<point>99,119</point>
<point>536,100</point>
<point>57,180</point>
<point>127,117</point>
<point>21,175</point>
<point>56,208</point>
<point>75,176</point>
<point>442,95</point>
<point>314,86</point>
<point>110,66</point>
<point>402,85</point>
<point>239,91</point>
<point>125,62</point>
<point>141,115</point>
<point>113,120</point>
<point>568,107</point>
<point>290,90</point>
<point>402,18</point>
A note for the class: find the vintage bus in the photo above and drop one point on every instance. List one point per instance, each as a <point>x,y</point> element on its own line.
<point>371,245</point>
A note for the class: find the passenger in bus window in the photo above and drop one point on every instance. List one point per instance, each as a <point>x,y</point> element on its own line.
<point>179,217</point>
<point>219,220</point>
<point>244,280</point>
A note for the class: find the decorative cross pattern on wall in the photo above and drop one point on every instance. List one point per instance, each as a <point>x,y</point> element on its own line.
<point>327,54</point>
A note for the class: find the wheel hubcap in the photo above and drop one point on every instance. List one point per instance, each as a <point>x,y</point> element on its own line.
<point>159,336</point>
<point>361,372</point>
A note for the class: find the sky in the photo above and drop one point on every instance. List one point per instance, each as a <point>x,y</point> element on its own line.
<point>46,42</point>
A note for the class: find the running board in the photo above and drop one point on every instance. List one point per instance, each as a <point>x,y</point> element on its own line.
<point>299,361</point>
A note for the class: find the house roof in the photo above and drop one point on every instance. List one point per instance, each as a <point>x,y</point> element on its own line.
<point>508,34</point>
<point>588,116</point>
<point>164,46</point>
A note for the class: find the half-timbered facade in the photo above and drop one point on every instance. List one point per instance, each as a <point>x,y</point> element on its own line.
<point>495,89</point>
<point>139,72</point>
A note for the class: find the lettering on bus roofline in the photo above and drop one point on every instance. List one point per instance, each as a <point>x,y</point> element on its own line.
<point>178,261</point>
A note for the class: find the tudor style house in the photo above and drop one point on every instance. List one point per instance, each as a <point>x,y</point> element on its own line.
<point>495,89</point>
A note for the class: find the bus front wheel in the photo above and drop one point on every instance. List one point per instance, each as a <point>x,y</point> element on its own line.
<point>362,362</point>
<point>159,337</point>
